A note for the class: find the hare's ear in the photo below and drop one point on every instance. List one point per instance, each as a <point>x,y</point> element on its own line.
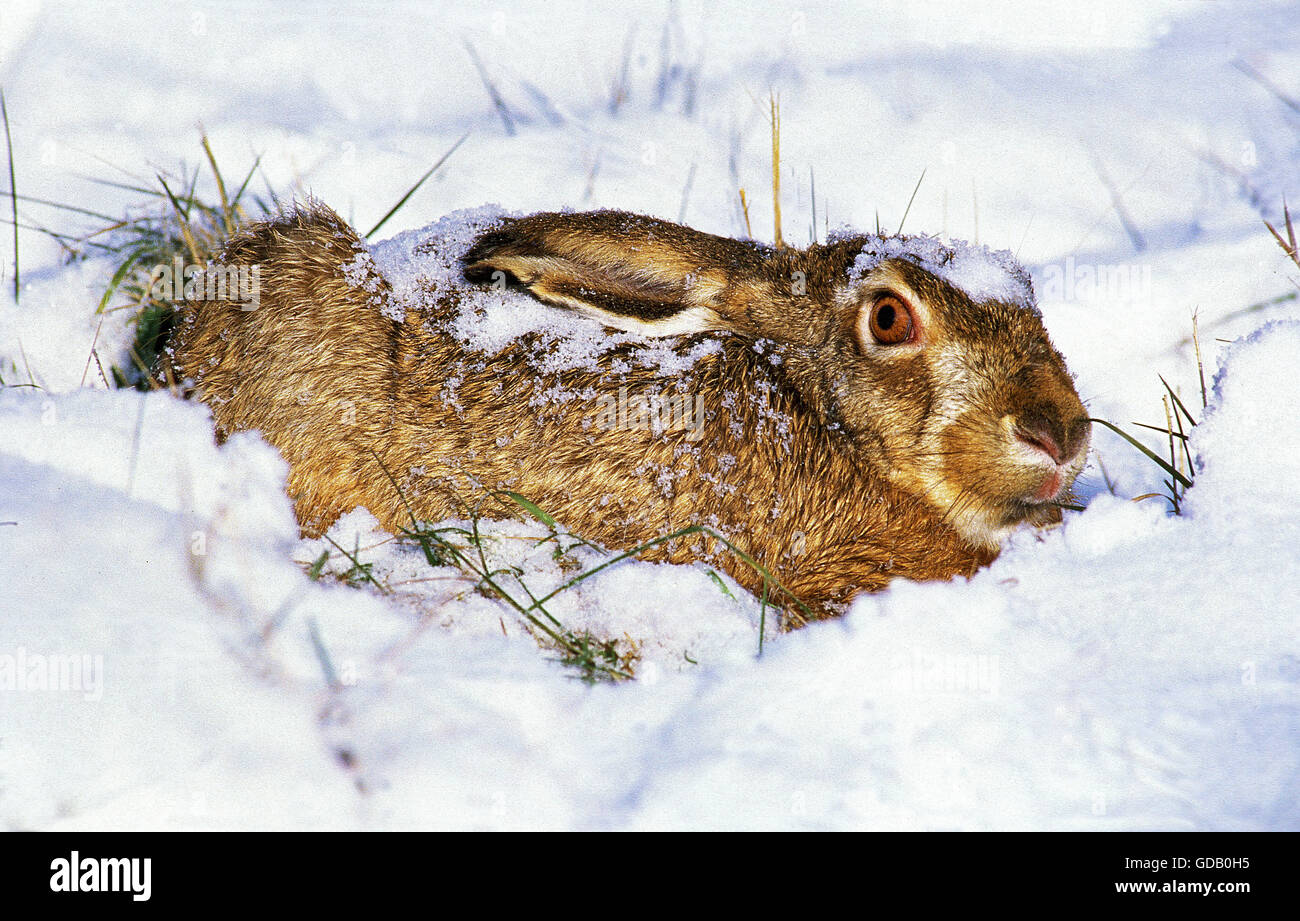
<point>628,271</point>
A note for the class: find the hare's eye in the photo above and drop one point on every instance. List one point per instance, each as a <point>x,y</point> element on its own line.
<point>891,321</point>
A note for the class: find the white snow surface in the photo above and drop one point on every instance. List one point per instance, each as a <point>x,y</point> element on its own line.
<point>166,662</point>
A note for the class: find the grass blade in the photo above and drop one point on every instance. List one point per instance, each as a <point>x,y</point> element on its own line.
<point>1157,459</point>
<point>56,204</point>
<point>13,189</point>
<point>908,209</point>
<point>420,182</point>
<point>221,185</point>
<point>1156,428</point>
<point>776,170</point>
<point>532,509</point>
<point>118,277</point>
<point>1177,402</point>
<point>234,202</point>
<point>183,217</point>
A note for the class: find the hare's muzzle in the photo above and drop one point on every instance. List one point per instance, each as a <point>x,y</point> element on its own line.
<point>1052,444</point>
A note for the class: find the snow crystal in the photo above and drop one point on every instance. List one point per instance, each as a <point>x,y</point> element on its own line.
<point>362,274</point>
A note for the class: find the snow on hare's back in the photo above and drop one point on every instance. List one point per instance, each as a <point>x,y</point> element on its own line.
<point>869,408</point>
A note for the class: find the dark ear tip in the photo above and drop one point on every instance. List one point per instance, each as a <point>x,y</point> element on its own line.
<point>484,247</point>
<point>504,241</point>
<point>477,271</point>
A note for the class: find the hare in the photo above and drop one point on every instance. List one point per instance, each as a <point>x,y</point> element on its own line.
<point>865,409</point>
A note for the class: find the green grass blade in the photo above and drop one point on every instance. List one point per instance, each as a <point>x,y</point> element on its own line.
<point>56,204</point>
<point>411,191</point>
<point>122,271</point>
<point>1162,431</point>
<point>1177,402</point>
<point>234,202</point>
<point>685,532</point>
<point>363,569</point>
<point>532,509</point>
<point>226,218</point>
<point>1157,459</point>
<point>124,186</point>
<point>722,586</point>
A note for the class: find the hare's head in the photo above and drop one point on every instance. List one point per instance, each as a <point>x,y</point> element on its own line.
<point>932,360</point>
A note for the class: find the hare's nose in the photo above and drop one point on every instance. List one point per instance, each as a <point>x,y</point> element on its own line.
<point>1059,440</point>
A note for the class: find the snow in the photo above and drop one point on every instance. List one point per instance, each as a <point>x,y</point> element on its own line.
<point>981,273</point>
<point>423,265</point>
<point>1131,669</point>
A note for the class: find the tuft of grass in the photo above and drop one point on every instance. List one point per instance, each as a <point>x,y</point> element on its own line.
<point>357,573</point>
<point>462,548</point>
<point>594,658</point>
<point>1178,466</point>
<point>176,222</point>
<point>1179,421</point>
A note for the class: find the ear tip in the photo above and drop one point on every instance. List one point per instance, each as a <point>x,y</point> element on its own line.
<point>485,246</point>
<point>477,270</point>
<point>495,244</point>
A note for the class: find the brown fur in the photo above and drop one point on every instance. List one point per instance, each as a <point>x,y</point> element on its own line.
<point>838,464</point>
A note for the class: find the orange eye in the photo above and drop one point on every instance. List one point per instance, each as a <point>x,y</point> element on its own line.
<point>890,321</point>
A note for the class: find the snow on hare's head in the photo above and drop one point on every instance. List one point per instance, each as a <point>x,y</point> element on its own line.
<point>932,359</point>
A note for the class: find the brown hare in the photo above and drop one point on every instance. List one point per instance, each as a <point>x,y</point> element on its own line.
<point>866,409</point>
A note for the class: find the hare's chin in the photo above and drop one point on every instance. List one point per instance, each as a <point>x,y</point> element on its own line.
<point>1052,487</point>
<point>992,527</point>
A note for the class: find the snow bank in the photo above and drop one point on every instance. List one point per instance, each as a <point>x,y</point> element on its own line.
<point>1073,684</point>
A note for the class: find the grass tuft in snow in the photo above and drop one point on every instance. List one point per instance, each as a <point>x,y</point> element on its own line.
<point>596,659</point>
<point>176,225</point>
<point>358,573</point>
<point>1179,421</point>
<point>1178,467</point>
